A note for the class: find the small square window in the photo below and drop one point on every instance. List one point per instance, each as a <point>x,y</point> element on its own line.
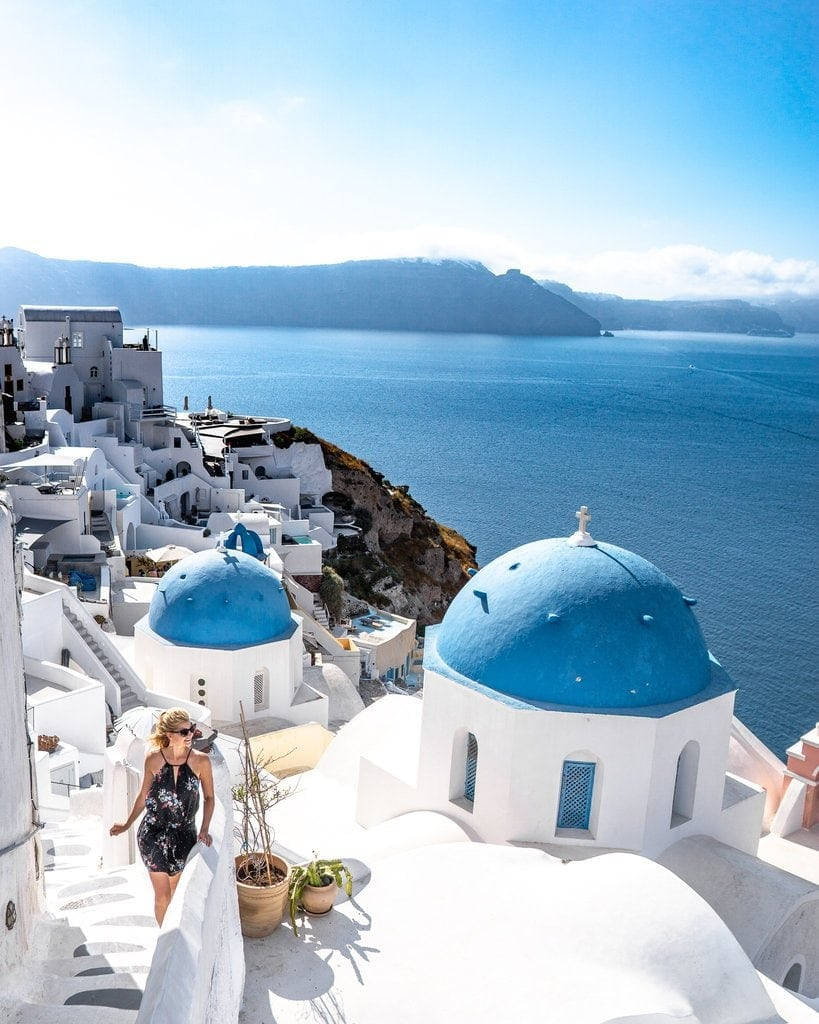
<point>177,442</point>
<point>19,385</point>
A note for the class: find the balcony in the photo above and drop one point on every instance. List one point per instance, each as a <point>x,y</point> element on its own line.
<point>158,413</point>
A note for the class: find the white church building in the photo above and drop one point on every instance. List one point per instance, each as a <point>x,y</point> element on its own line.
<point>570,700</point>
<point>220,632</point>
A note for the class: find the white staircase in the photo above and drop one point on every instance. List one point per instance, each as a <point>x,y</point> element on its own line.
<point>320,613</point>
<point>91,958</point>
<point>128,699</point>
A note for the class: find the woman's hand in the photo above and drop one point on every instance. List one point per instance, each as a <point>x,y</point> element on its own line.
<point>117,830</point>
<point>204,837</point>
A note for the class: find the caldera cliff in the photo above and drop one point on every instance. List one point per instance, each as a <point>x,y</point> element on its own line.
<point>396,557</point>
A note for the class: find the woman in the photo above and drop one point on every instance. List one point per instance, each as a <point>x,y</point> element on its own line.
<point>170,797</point>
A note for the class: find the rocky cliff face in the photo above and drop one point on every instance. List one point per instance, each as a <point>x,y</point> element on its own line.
<point>401,560</point>
<point>384,295</point>
<point>715,316</point>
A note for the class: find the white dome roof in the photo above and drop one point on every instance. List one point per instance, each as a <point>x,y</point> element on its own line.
<point>506,934</point>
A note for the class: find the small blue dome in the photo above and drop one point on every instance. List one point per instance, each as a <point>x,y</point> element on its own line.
<point>223,599</point>
<point>593,627</point>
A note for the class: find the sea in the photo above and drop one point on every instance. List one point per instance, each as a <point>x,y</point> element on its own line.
<point>697,451</point>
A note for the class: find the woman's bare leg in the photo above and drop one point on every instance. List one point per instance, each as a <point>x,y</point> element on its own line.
<point>174,881</point>
<point>163,890</point>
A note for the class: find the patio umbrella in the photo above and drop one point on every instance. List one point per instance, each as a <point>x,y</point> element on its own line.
<point>140,722</point>
<point>168,553</point>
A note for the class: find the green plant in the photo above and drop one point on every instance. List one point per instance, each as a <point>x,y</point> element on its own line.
<point>317,872</point>
<point>331,591</point>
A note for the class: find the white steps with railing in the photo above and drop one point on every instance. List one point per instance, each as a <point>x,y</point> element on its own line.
<point>320,613</point>
<point>90,961</point>
<point>128,699</point>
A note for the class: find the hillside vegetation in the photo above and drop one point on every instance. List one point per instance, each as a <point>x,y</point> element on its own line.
<point>403,560</point>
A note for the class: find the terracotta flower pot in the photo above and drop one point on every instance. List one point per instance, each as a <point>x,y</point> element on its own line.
<point>262,907</point>
<point>319,899</point>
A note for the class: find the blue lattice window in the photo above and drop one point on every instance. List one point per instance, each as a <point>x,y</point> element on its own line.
<point>471,766</point>
<point>576,788</point>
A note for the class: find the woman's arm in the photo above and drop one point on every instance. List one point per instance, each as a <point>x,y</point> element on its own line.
<point>139,803</point>
<point>205,772</point>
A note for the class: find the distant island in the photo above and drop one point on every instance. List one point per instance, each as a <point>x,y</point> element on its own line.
<point>449,296</point>
<point>721,316</point>
<point>386,295</point>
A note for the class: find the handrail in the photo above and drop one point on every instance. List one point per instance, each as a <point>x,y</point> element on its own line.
<point>35,828</point>
<point>197,971</point>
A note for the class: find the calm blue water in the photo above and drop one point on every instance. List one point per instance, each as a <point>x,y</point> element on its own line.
<point>709,472</point>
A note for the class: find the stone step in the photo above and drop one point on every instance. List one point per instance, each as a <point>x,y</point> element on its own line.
<point>16,1012</point>
<point>81,942</point>
<point>102,963</point>
<point>119,990</point>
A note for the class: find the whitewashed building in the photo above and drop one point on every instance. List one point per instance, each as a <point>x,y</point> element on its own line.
<point>220,632</point>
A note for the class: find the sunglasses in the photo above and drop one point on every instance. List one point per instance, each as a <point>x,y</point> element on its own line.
<point>187,732</point>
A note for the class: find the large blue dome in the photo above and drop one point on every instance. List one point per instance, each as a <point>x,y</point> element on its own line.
<point>592,627</point>
<point>220,598</point>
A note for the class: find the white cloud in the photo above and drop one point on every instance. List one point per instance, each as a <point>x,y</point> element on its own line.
<point>427,240</point>
<point>665,272</point>
<point>685,270</point>
<point>241,114</point>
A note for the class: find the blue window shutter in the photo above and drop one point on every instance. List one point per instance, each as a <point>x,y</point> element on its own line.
<point>576,789</point>
<point>471,766</point>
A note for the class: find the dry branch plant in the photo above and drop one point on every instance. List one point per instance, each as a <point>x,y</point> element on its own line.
<point>254,796</point>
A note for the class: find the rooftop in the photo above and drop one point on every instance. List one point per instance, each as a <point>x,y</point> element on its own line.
<point>378,627</point>
<point>78,314</point>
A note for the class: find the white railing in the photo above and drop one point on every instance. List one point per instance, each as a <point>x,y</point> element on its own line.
<point>198,968</point>
<point>72,604</point>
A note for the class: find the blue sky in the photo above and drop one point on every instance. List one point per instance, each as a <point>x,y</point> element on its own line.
<point>660,147</point>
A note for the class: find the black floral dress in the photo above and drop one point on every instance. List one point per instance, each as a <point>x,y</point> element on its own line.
<point>167,833</point>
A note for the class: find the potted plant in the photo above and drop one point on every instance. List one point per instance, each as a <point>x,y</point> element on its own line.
<point>262,878</point>
<point>314,885</point>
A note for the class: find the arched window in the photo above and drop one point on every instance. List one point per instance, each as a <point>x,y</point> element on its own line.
<point>793,979</point>
<point>183,468</point>
<point>471,767</point>
<point>94,372</point>
<point>464,769</point>
<point>685,784</point>
<point>261,698</point>
<point>576,792</point>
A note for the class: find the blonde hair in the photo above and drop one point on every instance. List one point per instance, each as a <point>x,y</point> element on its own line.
<point>169,721</point>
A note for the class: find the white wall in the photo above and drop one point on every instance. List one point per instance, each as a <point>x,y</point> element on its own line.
<point>708,724</point>
<point>228,675</point>
<point>77,716</point>
<point>18,880</point>
<point>300,559</point>
<point>28,501</point>
<point>144,366</point>
<point>155,535</point>
<point>520,760</point>
<point>43,626</point>
<point>281,490</point>
<point>197,971</point>
<point>39,336</point>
